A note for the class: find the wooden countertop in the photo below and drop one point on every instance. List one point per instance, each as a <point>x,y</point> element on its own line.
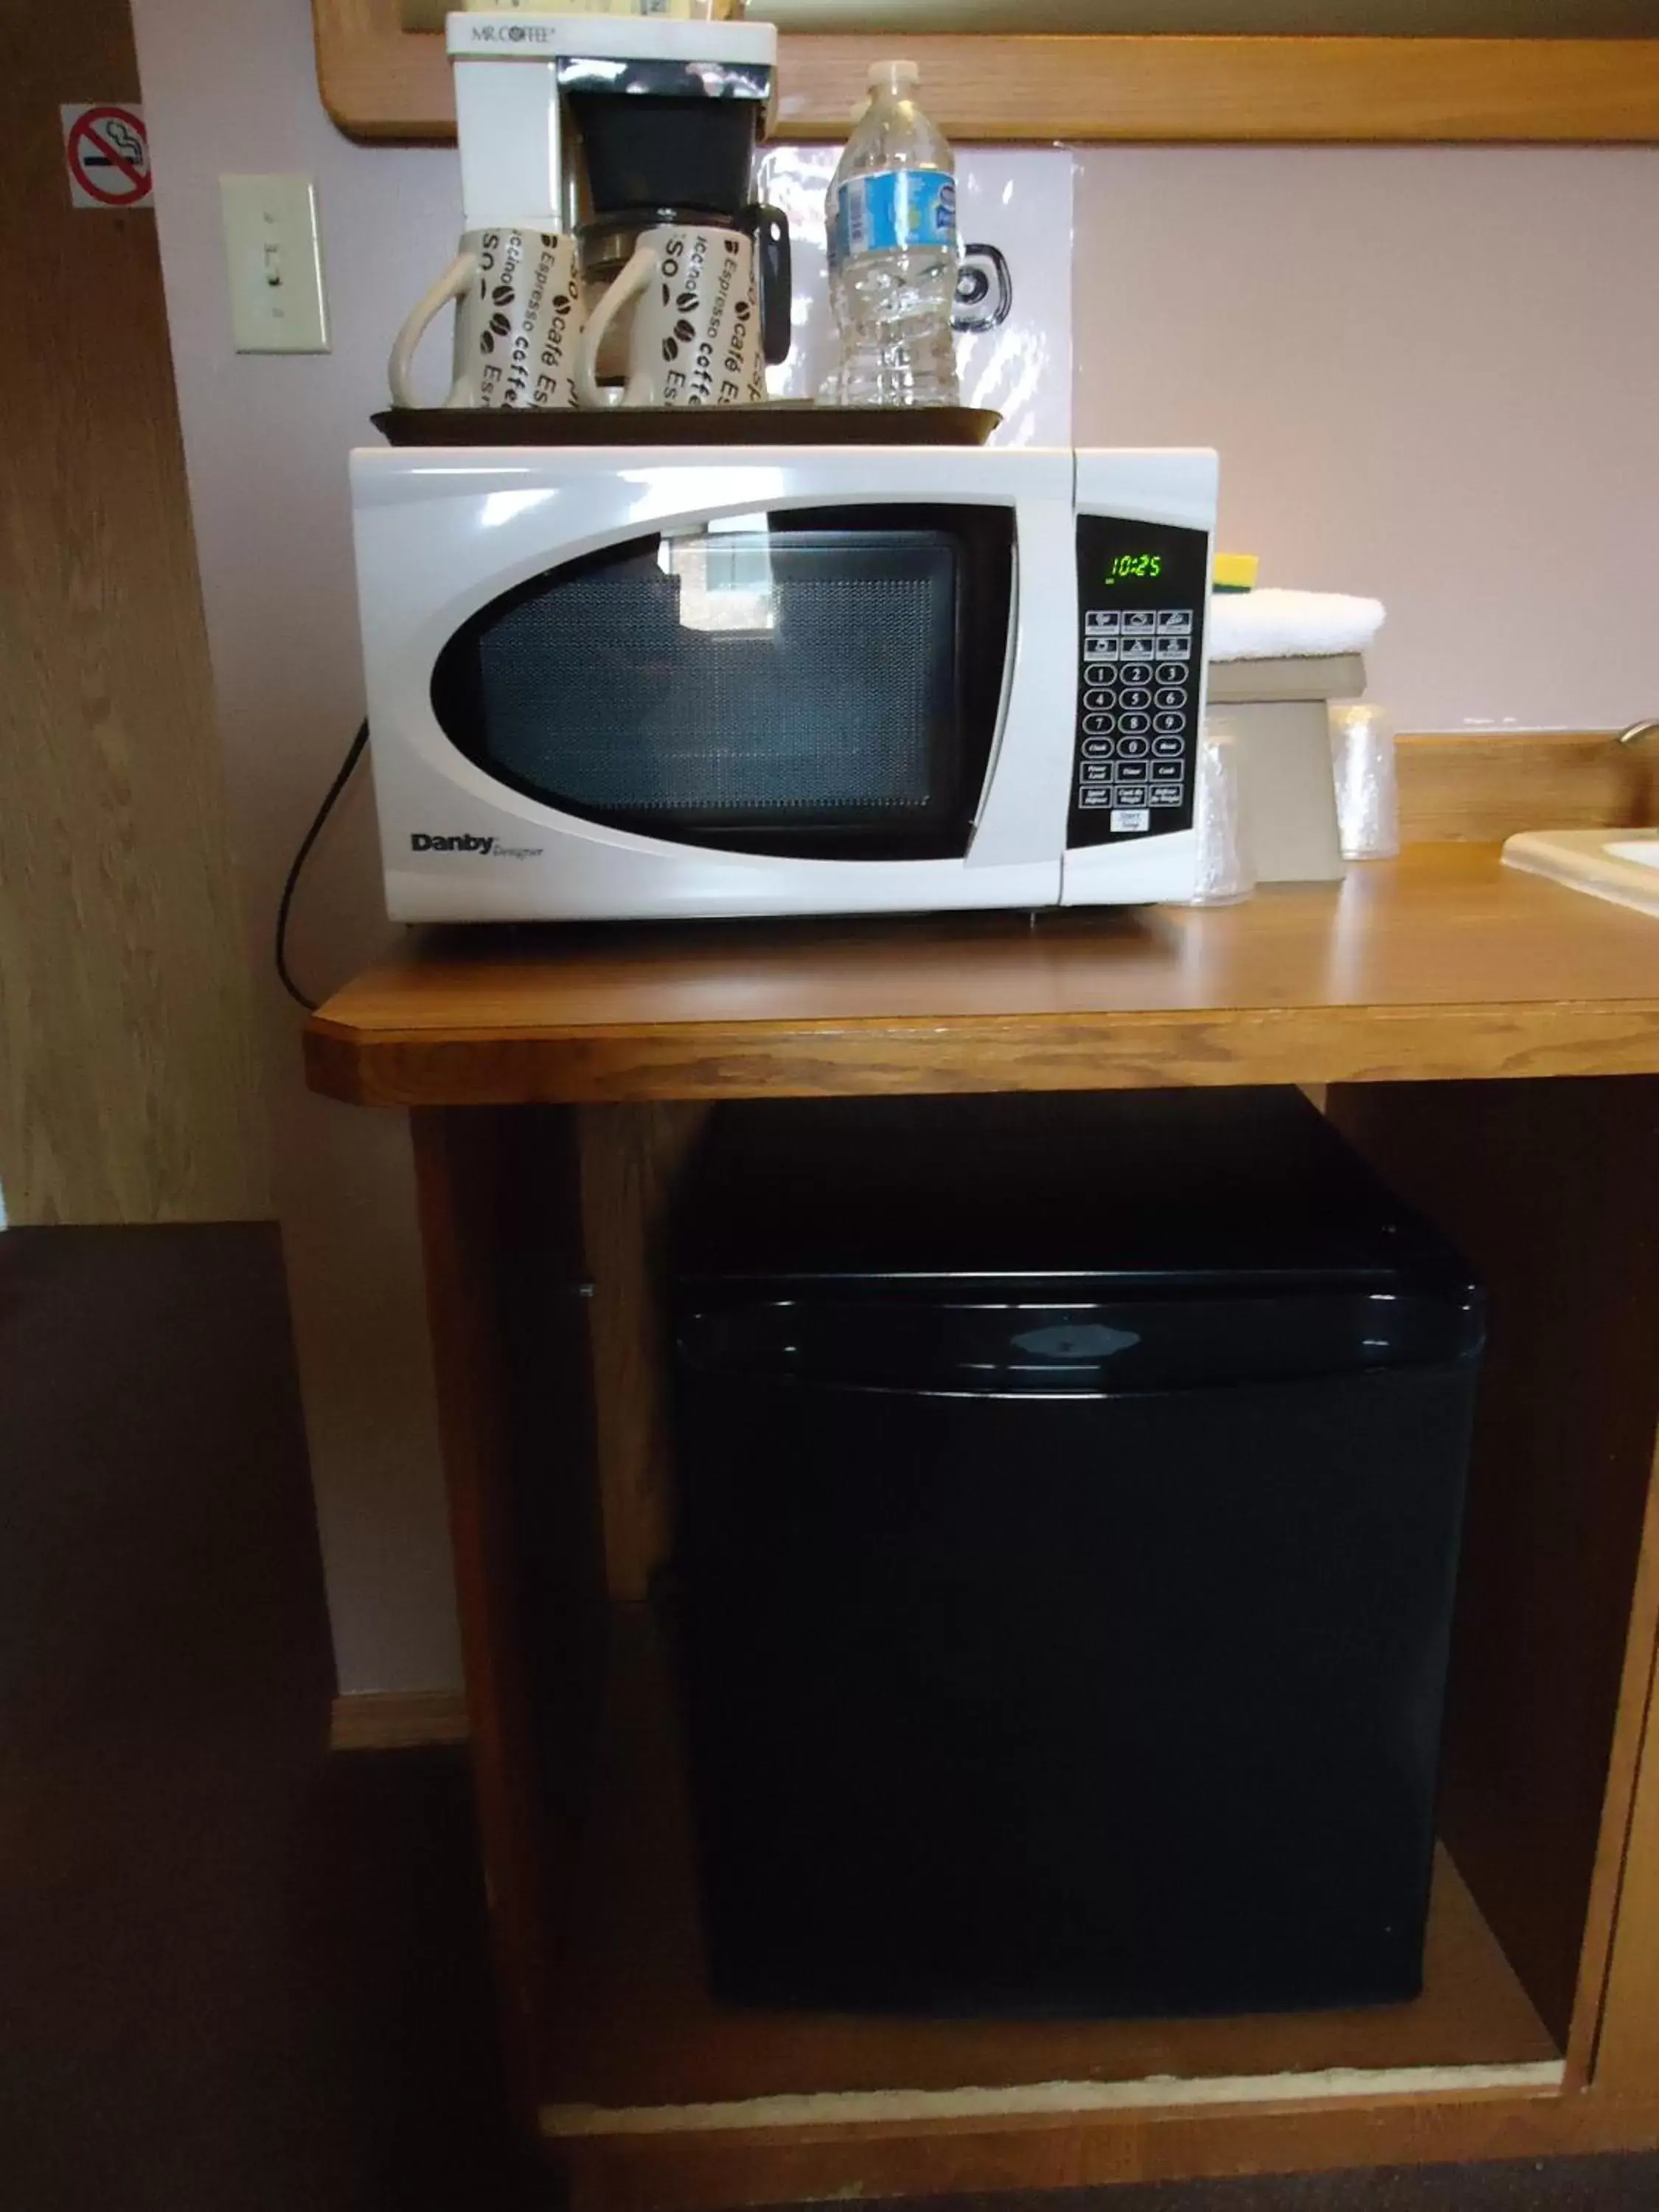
<point>1440,965</point>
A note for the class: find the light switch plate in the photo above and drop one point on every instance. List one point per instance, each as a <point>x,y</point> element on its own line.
<point>274,258</point>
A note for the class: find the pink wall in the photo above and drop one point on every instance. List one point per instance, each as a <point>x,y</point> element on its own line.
<point>232,89</point>
<point>1431,374</point>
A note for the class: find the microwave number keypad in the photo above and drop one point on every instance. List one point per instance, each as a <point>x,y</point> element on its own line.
<point>1138,679</point>
<point>1140,652</point>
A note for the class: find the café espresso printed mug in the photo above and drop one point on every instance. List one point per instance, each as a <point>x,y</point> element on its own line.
<point>518,317</point>
<point>694,339</point>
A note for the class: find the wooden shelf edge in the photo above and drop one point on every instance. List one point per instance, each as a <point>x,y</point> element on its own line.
<point>1107,1051</point>
<point>380,82</point>
<point>1057,2101</point>
<point>700,2173</point>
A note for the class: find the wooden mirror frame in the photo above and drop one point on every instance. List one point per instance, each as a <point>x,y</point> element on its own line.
<point>380,81</point>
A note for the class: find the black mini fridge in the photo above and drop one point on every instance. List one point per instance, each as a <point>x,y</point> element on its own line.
<point>1069,1502</point>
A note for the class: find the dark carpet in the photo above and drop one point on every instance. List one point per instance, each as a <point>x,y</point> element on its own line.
<point>238,1975</point>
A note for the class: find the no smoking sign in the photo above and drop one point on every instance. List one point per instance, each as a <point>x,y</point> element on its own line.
<point>107,151</point>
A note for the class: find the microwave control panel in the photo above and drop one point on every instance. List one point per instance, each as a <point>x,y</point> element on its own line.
<point>1142,590</point>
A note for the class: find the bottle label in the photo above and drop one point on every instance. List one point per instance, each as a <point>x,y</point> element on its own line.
<point>893,211</point>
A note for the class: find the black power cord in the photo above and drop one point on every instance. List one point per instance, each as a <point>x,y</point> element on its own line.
<point>331,798</point>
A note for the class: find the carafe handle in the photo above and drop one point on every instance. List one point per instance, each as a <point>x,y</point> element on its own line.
<point>985,289</point>
<point>768,231</point>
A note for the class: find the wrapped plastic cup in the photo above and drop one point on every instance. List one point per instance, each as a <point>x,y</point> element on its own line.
<point>1367,792</point>
<point>1226,870</point>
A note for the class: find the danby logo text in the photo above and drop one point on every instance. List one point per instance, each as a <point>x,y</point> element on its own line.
<point>421,843</point>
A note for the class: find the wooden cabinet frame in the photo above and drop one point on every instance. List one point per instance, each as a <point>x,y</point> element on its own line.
<point>1539,2034</point>
<point>379,81</point>
<point>1493,1042</point>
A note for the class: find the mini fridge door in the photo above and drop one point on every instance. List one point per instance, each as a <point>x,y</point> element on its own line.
<point>1030,1693</point>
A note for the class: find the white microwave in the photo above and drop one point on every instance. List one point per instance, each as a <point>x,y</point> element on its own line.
<point>639,682</point>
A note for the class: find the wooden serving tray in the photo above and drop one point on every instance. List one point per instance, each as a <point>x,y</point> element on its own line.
<point>766,422</point>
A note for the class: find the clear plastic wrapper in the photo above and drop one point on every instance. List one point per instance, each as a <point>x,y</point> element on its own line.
<point>1367,788</point>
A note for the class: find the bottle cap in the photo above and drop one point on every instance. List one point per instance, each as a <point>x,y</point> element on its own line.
<point>896,77</point>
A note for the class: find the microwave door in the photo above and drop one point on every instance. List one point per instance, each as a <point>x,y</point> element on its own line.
<point>787,710</point>
<point>772,686</point>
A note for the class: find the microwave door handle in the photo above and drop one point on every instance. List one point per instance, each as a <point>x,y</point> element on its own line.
<point>989,778</point>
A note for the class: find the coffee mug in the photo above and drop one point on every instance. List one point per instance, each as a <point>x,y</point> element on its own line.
<point>518,316</point>
<point>695,338</point>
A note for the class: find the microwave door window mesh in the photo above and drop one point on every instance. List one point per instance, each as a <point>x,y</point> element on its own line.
<point>616,690</point>
<point>765,689</point>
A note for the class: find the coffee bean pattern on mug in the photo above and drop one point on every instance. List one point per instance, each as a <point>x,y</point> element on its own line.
<point>518,322</point>
<point>703,348</point>
<point>694,339</point>
<point>532,370</point>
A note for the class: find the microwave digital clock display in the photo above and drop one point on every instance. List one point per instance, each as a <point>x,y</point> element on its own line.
<point>1148,566</point>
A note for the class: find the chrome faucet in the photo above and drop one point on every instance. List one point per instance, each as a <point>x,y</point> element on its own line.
<point>1636,732</point>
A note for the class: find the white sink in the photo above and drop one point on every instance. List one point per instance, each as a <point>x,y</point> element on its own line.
<point>1622,866</point>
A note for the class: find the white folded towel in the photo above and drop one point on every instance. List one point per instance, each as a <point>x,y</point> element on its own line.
<point>1284,625</point>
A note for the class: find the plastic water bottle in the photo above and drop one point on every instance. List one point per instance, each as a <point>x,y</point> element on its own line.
<point>891,217</point>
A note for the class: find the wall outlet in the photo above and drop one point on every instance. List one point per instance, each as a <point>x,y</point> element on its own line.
<point>274,258</point>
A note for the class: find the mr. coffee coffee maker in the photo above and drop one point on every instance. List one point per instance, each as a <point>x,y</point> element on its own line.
<point>592,147</point>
